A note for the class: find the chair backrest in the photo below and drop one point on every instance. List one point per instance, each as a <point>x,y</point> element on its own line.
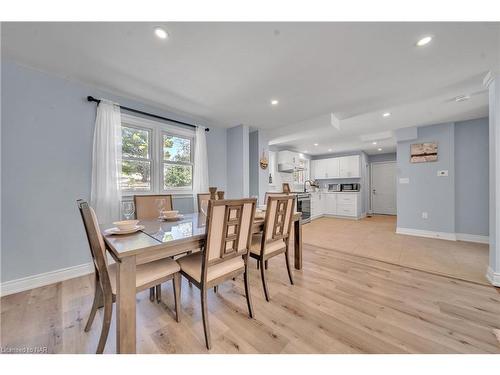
<point>146,207</point>
<point>203,199</point>
<point>278,221</point>
<point>96,244</point>
<point>273,194</point>
<point>229,227</point>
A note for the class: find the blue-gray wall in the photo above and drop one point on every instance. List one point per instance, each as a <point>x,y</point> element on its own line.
<point>457,203</point>
<point>47,131</point>
<point>238,173</point>
<point>253,145</point>
<point>390,156</point>
<point>427,192</point>
<point>472,177</point>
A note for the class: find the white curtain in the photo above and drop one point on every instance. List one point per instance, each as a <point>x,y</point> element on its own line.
<point>200,178</point>
<point>105,194</point>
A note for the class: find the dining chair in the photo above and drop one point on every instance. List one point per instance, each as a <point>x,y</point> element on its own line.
<point>273,194</point>
<point>203,198</point>
<point>146,206</point>
<point>147,275</point>
<point>225,255</point>
<point>275,239</point>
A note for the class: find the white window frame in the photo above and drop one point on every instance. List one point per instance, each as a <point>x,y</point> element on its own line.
<point>170,162</point>
<point>156,148</point>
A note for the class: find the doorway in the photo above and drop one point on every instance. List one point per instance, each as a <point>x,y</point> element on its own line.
<point>383,188</point>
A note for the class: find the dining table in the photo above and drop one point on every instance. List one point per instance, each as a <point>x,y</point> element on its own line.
<point>157,240</point>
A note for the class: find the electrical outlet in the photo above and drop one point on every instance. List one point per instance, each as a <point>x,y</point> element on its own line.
<point>425,215</point>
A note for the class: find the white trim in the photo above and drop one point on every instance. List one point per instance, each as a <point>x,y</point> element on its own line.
<point>42,279</point>
<point>493,277</point>
<point>472,238</point>
<point>426,233</point>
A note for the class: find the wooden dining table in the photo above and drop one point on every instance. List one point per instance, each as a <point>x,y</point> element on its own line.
<point>161,239</point>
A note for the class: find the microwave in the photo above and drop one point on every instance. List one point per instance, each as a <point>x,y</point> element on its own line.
<point>350,187</point>
<point>334,187</point>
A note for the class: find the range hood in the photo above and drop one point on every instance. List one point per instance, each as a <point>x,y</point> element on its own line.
<point>289,168</point>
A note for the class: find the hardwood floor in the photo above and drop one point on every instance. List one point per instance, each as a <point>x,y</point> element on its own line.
<point>340,303</point>
<point>376,238</point>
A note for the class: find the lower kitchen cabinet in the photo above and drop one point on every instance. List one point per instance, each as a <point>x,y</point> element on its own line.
<point>336,204</point>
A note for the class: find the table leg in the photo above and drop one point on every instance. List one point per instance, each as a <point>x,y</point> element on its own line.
<point>297,243</point>
<point>125,305</point>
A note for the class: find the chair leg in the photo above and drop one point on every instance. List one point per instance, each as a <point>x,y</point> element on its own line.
<point>266,264</point>
<point>152,294</point>
<point>288,266</point>
<point>158,293</point>
<point>263,276</point>
<point>106,323</point>
<point>204,313</point>
<point>247,294</point>
<point>177,296</point>
<point>95,305</point>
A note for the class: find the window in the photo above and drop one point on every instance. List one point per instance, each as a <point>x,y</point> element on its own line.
<point>177,162</point>
<point>136,159</point>
<point>156,157</point>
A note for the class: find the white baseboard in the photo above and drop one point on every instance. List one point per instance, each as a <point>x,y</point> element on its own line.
<point>472,238</point>
<point>427,233</point>
<point>35,281</point>
<point>493,277</point>
<point>444,235</point>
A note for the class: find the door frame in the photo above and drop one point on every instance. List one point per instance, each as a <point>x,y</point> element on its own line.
<point>371,182</point>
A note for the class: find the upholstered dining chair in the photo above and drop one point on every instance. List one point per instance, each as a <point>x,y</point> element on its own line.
<point>147,275</point>
<point>275,239</point>
<point>146,206</point>
<point>225,255</point>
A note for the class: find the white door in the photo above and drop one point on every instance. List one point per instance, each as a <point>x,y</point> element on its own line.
<point>383,188</point>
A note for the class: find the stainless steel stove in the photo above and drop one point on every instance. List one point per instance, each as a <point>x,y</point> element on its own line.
<point>303,201</point>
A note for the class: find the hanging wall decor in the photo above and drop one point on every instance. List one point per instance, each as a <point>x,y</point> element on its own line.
<point>424,152</point>
<point>263,160</point>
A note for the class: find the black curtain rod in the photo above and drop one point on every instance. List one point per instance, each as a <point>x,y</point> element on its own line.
<point>92,99</point>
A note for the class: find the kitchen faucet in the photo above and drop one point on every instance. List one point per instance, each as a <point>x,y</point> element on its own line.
<point>311,184</point>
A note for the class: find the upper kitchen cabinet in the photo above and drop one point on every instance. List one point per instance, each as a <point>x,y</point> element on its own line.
<point>289,161</point>
<point>341,167</point>
<point>349,166</point>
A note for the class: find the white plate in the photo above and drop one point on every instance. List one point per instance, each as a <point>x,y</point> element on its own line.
<point>174,218</point>
<point>127,231</point>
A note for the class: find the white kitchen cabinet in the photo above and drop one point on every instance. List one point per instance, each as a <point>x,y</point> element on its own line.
<point>349,166</point>
<point>317,205</point>
<point>341,167</point>
<point>330,204</point>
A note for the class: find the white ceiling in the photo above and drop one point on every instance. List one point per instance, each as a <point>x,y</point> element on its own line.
<point>227,73</point>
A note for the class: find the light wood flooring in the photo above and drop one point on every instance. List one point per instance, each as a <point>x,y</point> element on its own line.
<point>376,238</point>
<point>340,303</point>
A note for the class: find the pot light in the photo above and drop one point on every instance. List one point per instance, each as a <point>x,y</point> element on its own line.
<point>316,144</point>
<point>275,102</point>
<point>161,33</point>
<point>424,41</point>
<point>387,114</point>
<point>462,98</point>
<point>329,150</point>
<point>379,149</point>
<point>374,143</point>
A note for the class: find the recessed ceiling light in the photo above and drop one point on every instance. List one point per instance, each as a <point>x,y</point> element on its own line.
<point>316,144</point>
<point>379,149</point>
<point>161,33</point>
<point>275,102</point>
<point>387,114</point>
<point>424,41</point>
<point>374,143</point>
<point>462,98</point>
<point>329,150</point>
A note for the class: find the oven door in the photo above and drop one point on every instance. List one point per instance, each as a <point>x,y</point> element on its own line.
<point>304,206</point>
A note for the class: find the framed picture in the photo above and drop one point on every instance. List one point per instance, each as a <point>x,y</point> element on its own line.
<point>424,152</point>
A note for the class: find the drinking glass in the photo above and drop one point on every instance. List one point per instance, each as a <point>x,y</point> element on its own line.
<point>128,209</point>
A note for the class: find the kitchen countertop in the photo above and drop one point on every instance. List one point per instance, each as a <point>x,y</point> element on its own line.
<point>336,192</point>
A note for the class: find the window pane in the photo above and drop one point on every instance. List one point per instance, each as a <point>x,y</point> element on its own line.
<point>136,175</point>
<point>135,143</point>
<point>176,148</point>
<point>177,176</point>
